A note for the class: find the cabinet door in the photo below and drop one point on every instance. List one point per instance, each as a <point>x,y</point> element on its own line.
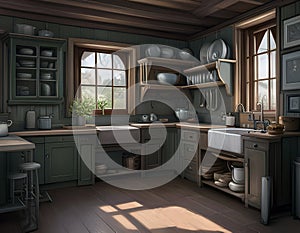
<point>170,145</point>
<point>3,178</point>
<point>86,160</point>
<point>60,162</point>
<point>256,167</point>
<point>151,160</point>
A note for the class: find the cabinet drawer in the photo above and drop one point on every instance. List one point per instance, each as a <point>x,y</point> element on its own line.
<point>190,135</point>
<point>256,145</point>
<point>59,139</point>
<point>191,171</point>
<point>35,139</point>
<point>189,150</point>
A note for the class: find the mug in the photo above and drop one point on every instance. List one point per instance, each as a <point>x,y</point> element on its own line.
<point>145,118</point>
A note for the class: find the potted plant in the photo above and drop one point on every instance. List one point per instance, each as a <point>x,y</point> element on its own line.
<point>81,109</point>
<point>101,104</point>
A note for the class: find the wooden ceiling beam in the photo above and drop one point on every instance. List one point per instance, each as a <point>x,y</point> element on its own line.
<point>96,16</point>
<point>174,4</point>
<point>135,10</point>
<point>93,25</point>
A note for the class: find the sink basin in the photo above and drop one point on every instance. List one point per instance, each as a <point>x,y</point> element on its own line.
<point>118,134</point>
<point>227,139</point>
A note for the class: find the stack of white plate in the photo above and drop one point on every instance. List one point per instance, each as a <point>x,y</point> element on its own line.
<point>26,51</point>
<point>47,53</point>
<point>46,76</point>
<point>24,75</point>
<point>27,63</point>
<point>100,169</point>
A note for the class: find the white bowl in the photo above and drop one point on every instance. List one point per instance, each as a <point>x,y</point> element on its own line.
<point>47,53</point>
<point>153,51</point>
<point>24,75</point>
<point>45,33</point>
<point>167,52</point>
<point>236,187</point>
<point>26,51</point>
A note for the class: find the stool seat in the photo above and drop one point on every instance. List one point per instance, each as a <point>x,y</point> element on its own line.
<point>30,166</point>
<point>17,176</point>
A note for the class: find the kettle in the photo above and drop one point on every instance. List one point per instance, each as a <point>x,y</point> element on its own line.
<point>4,128</point>
<point>153,117</point>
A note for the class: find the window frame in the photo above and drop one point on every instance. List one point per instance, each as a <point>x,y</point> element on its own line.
<point>73,74</point>
<point>80,52</point>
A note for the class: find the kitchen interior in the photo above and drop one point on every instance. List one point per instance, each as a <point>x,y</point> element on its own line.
<point>149,116</point>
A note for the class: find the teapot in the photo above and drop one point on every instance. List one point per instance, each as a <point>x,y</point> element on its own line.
<point>153,117</point>
<point>4,128</point>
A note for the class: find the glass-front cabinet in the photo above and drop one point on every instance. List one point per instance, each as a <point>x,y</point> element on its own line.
<point>35,69</point>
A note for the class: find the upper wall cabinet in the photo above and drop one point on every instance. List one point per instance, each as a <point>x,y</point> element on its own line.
<point>35,69</point>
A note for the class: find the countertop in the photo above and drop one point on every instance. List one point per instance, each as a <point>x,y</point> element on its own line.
<point>14,143</point>
<point>270,136</point>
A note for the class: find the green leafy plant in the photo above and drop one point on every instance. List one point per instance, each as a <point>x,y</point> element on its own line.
<point>101,104</point>
<point>82,107</point>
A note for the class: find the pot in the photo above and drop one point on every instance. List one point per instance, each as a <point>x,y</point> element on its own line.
<point>145,118</point>
<point>45,122</point>
<point>182,114</point>
<point>4,128</point>
<point>238,174</point>
<point>25,29</point>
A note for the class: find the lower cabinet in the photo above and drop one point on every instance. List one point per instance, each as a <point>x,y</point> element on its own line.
<point>60,162</point>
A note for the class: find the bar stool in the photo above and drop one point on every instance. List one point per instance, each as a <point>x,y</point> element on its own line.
<point>31,168</point>
<point>15,180</point>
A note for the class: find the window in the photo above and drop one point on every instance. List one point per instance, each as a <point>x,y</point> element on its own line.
<point>260,66</point>
<point>103,76</point>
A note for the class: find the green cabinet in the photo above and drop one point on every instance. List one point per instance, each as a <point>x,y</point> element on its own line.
<point>35,69</point>
<point>86,159</point>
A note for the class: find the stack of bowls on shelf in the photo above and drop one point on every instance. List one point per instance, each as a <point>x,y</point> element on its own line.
<point>238,178</point>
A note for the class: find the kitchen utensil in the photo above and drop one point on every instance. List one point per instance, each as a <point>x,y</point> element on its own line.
<point>218,49</point>
<point>26,51</point>
<point>203,53</point>
<point>166,52</point>
<point>47,53</point>
<point>24,75</point>
<point>30,119</point>
<point>44,122</point>
<point>236,187</point>
<point>153,117</point>
<point>153,51</point>
<point>169,78</point>
<point>145,118</point>
<point>45,90</point>
<point>25,29</point>
<point>45,33</point>
<point>4,128</point>
<point>46,76</point>
<point>182,114</point>
<point>27,63</point>
<point>229,120</point>
<point>238,173</point>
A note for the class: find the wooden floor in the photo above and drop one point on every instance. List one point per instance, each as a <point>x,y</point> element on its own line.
<point>179,206</point>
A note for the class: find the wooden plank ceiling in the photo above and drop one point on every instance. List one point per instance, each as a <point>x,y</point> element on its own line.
<point>178,19</point>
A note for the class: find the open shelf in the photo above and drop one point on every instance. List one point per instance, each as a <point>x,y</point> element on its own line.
<point>168,61</point>
<point>118,173</point>
<point>224,189</point>
<point>203,85</point>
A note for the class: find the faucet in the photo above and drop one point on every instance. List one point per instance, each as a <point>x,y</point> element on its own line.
<point>240,105</point>
<point>262,121</point>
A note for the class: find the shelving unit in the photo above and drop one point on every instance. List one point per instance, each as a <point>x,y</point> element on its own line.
<point>31,59</point>
<point>220,72</point>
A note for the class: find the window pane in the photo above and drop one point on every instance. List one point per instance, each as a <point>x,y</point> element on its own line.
<point>120,98</point>
<point>263,46</point>
<point>263,63</point>
<point>273,64</point>
<point>88,91</point>
<point>105,92</point>
<point>118,63</point>
<point>119,78</point>
<point>263,91</point>
<point>104,60</point>
<point>272,41</point>
<point>88,76</point>
<point>273,94</point>
<point>104,77</point>
<point>88,59</point>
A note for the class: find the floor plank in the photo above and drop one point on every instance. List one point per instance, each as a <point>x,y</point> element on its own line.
<point>177,207</point>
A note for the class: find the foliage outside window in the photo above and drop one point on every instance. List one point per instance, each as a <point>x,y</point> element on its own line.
<point>261,67</point>
<point>104,78</point>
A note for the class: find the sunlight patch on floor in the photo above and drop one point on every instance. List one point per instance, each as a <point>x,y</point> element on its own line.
<point>175,217</point>
<point>125,222</point>
<point>129,205</point>
<point>108,209</point>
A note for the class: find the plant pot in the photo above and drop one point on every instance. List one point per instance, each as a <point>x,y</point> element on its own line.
<point>97,112</point>
<point>81,121</point>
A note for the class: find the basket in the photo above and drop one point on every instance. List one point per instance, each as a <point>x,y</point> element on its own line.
<point>132,162</point>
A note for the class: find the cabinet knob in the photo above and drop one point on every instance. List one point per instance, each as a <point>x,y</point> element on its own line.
<point>255,145</point>
<point>190,168</point>
<point>47,155</point>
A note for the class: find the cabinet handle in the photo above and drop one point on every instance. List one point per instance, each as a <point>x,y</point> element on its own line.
<point>190,168</point>
<point>47,155</point>
<point>255,145</point>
